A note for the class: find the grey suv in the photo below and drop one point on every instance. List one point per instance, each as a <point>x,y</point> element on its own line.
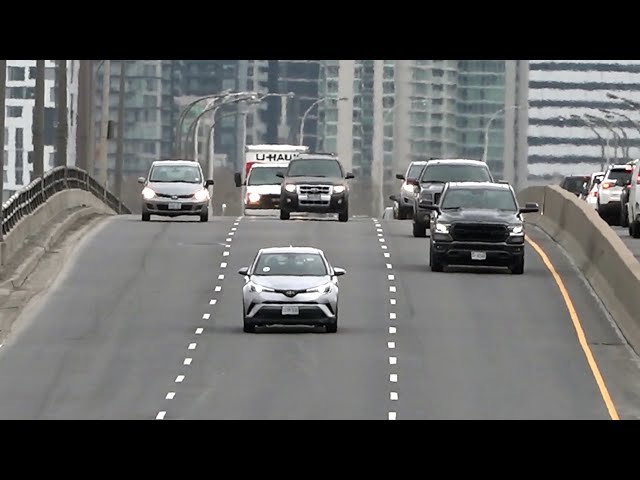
<point>432,181</point>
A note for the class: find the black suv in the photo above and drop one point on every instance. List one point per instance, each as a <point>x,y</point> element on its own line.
<point>315,183</point>
<point>478,223</point>
<point>431,183</point>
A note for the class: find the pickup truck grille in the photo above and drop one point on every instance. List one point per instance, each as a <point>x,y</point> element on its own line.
<point>479,232</point>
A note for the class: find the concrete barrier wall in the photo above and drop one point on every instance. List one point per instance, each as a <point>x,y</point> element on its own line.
<point>607,263</point>
<point>30,225</point>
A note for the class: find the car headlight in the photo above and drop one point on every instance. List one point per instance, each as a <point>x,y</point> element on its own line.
<point>516,229</point>
<point>254,197</point>
<point>409,188</point>
<point>201,195</point>
<point>442,228</point>
<point>338,189</point>
<point>290,188</point>
<point>147,193</point>
<point>259,288</point>
<point>326,288</point>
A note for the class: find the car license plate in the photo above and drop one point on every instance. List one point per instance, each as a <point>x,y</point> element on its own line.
<point>289,310</point>
<point>478,255</point>
<point>174,206</point>
<point>314,197</point>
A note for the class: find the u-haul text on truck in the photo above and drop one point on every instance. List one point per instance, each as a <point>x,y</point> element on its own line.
<point>261,185</point>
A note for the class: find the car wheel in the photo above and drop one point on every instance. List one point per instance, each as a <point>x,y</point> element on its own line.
<point>146,217</point>
<point>204,217</point>
<point>344,215</point>
<point>248,326</point>
<point>419,230</point>
<point>284,214</point>
<point>518,266</point>
<point>435,265</point>
<point>635,229</point>
<point>624,219</point>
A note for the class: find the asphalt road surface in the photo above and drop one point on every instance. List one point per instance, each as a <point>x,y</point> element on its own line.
<point>146,323</point>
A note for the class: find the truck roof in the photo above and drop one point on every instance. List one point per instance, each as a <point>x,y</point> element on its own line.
<point>269,164</point>
<point>276,148</point>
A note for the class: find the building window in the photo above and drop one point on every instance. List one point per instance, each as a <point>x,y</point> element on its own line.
<point>52,95</point>
<point>19,138</point>
<point>16,73</point>
<point>14,112</point>
<point>149,147</point>
<point>149,101</point>
<point>50,73</point>
<point>32,72</point>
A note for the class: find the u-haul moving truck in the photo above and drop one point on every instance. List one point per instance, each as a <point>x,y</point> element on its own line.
<point>261,186</point>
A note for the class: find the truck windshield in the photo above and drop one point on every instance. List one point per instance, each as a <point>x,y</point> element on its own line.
<point>455,173</point>
<point>265,175</point>
<point>489,198</point>
<point>314,167</point>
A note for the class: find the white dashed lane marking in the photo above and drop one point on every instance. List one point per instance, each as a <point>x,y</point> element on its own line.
<point>218,288</point>
<point>192,346</point>
<point>392,288</point>
<point>179,378</point>
<point>386,255</point>
<point>220,277</point>
<point>392,316</point>
<point>213,301</point>
<point>228,239</point>
<point>391,345</point>
<point>391,277</point>
<point>187,361</point>
<point>206,316</point>
<point>393,360</point>
<point>199,331</point>
<point>393,378</point>
<point>392,301</point>
<point>392,415</point>
<point>223,265</point>
<point>394,396</point>
<point>160,415</point>
<point>393,330</point>
<point>389,266</point>
<point>225,254</point>
<point>170,396</point>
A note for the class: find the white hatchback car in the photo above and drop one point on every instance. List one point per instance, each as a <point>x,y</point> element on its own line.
<point>633,207</point>
<point>610,190</point>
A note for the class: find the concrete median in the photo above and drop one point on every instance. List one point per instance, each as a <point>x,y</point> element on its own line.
<point>604,259</point>
<point>27,229</point>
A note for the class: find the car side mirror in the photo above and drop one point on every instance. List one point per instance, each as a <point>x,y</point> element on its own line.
<point>597,181</point>
<point>238,179</point>
<point>243,271</point>
<point>348,176</point>
<point>393,198</point>
<point>337,271</point>
<point>399,176</point>
<point>208,183</point>
<point>280,175</point>
<point>141,180</point>
<point>530,208</point>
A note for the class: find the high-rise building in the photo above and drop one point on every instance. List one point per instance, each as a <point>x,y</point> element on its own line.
<point>561,93</point>
<point>20,101</point>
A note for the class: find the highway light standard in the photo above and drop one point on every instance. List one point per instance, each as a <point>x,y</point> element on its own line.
<point>608,126</point>
<point>488,127</point>
<point>611,116</point>
<point>304,116</point>
<point>604,143</point>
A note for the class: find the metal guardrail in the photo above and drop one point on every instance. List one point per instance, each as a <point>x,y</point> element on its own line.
<point>25,201</point>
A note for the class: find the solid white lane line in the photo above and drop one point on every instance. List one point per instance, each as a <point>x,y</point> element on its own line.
<point>394,396</point>
<point>225,254</point>
<point>218,288</point>
<point>392,301</point>
<point>392,288</point>
<point>206,316</point>
<point>392,316</point>
<point>393,360</point>
<point>160,415</point>
<point>392,415</point>
<point>391,277</point>
<point>223,265</point>
<point>199,331</point>
<point>389,266</point>
<point>391,345</point>
<point>179,378</point>
<point>192,346</point>
<point>393,378</point>
<point>387,254</point>
<point>392,330</point>
<point>213,301</point>
<point>170,396</point>
<point>221,277</point>
<point>187,361</point>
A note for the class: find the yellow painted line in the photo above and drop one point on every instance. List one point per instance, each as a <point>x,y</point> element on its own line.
<point>579,331</point>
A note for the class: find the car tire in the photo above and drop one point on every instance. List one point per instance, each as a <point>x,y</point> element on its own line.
<point>634,229</point>
<point>435,265</point>
<point>624,217</point>
<point>247,325</point>
<point>284,214</point>
<point>344,215</point>
<point>402,213</point>
<point>518,266</point>
<point>204,217</point>
<point>146,217</point>
<point>419,230</point>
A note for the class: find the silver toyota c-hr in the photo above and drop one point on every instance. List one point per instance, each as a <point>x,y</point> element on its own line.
<point>290,286</point>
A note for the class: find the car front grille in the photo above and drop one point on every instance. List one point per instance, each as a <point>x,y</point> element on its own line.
<point>479,232</point>
<point>314,194</point>
<point>166,195</point>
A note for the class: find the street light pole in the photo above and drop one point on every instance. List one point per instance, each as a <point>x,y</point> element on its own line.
<point>120,145</point>
<point>61,106</point>
<point>625,151</point>
<point>103,164</point>
<point>608,126</point>
<point>304,116</point>
<point>604,143</point>
<point>635,124</point>
<point>38,122</point>
<point>3,91</point>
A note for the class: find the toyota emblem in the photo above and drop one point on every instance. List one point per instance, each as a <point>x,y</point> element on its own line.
<point>290,293</point>
<point>174,197</point>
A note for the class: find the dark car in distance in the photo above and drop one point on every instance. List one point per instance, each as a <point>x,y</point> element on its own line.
<point>404,201</point>
<point>432,181</point>
<point>478,224</point>
<point>315,183</point>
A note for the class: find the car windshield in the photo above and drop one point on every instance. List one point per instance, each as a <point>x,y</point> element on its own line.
<point>414,171</point>
<point>316,167</point>
<point>621,175</point>
<point>574,184</point>
<point>295,264</point>
<point>265,175</point>
<point>455,173</point>
<point>175,173</point>
<point>482,198</point>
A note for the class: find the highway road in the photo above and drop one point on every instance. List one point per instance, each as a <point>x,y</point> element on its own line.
<point>146,323</point>
<point>629,241</point>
